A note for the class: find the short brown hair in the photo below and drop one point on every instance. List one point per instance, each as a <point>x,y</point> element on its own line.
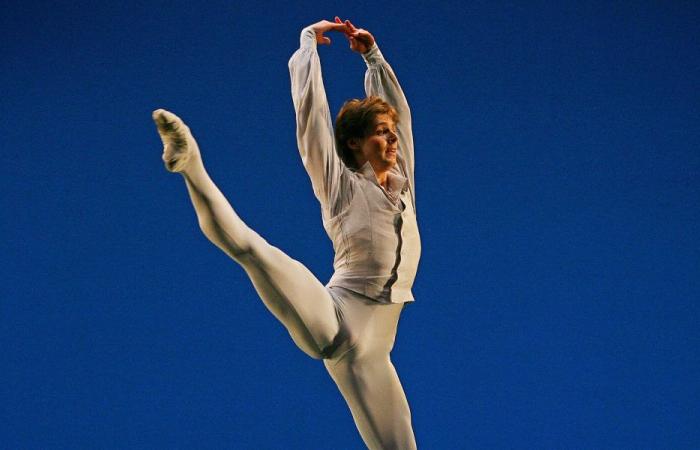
<point>354,120</point>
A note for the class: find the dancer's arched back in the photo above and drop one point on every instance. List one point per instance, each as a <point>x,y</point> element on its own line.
<point>363,178</point>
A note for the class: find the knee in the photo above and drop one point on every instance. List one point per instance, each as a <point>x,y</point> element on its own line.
<point>237,248</point>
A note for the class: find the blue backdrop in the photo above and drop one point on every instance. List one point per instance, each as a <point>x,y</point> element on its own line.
<point>558,197</point>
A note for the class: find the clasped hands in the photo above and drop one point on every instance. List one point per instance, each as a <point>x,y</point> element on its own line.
<point>360,40</point>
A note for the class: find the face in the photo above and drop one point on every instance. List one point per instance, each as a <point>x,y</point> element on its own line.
<point>379,146</point>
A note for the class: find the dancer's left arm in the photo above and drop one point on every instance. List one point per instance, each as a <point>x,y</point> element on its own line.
<point>380,80</point>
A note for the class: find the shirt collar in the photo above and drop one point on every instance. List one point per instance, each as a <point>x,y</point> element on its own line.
<point>395,180</point>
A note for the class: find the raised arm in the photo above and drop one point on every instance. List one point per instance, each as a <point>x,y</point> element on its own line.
<point>314,127</point>
<point>380,80</point>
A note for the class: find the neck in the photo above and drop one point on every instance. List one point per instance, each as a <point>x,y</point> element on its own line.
<point>382,179</point>
<point>382,175</point>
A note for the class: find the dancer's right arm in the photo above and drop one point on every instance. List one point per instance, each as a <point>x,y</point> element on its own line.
<point>314,127</point>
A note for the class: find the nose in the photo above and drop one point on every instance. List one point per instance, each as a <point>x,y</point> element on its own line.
<point>392,137</point>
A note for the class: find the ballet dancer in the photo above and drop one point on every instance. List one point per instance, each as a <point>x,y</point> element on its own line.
<point>362,174</point>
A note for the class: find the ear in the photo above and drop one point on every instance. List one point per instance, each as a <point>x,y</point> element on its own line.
<point>354,144</point>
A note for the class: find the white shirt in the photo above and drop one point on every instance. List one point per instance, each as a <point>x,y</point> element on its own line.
<point>374,230</point>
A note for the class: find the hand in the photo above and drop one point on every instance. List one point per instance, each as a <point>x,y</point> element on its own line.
<point>360,40</point>
<point>323,26</point>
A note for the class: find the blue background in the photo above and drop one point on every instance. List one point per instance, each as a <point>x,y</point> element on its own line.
<point>558,196</point>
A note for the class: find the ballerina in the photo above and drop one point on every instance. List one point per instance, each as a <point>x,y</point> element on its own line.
<point>362,174</point>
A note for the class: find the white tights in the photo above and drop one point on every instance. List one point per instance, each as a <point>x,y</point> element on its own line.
<point>353,335</point>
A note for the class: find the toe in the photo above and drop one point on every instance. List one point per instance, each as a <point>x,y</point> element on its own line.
<point>165,120</point>
<point>158,115</point>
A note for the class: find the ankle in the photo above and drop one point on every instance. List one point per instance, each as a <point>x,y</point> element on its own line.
<point>194,169</point>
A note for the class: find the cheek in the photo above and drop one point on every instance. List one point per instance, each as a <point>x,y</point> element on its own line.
<point>371,147</point>
<point>378,143</point>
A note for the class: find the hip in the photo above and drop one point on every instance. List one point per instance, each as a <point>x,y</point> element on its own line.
<point>367,328</point>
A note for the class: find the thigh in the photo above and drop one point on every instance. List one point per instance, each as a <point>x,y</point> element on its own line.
<point>293,294</point>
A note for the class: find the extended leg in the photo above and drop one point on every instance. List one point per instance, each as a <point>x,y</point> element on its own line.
<point>287,288</point>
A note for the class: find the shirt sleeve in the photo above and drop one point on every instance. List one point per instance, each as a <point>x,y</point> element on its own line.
<point>380,80</point>
<point>314,127</point>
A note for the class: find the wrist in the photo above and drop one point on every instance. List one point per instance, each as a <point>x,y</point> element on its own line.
<point>307,39</point>
<point>372,55</point>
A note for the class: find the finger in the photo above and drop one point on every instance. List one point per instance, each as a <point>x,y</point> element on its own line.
<point>345,30</point>
<point>361,34</point>
<point>339,21</point>
<point>337,26</point>
<point>326,40</point>
<point>352,27</point>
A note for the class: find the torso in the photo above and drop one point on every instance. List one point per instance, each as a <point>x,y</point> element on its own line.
<point>376,242</point>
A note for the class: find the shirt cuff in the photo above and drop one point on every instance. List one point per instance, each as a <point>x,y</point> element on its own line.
<point>307,38</point>
<point>373,55</point>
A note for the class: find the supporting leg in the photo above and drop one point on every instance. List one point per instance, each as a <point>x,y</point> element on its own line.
<point>368,380</point>
<point>372,390</point>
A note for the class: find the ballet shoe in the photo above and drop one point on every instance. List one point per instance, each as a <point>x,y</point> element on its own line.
<point>179,146</point>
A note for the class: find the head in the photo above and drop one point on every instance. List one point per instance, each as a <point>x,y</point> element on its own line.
<point>365,130</point>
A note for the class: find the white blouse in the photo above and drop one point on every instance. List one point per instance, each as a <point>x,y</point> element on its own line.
<point>374,231</point>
